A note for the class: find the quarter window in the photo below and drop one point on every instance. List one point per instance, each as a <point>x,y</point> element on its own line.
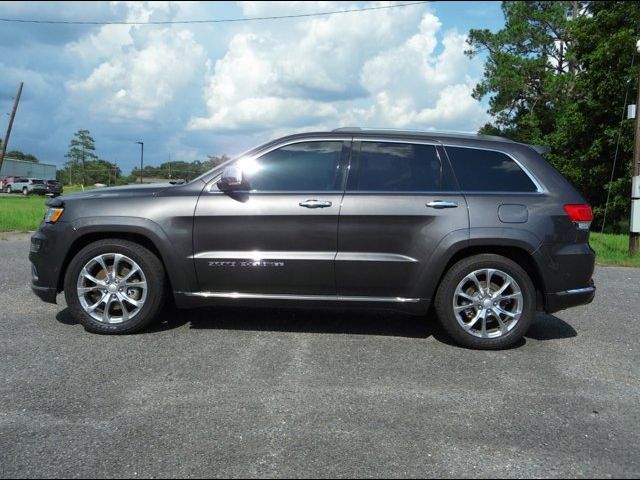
<point>397,167</point>
<point>306,166</point>
<point>488,171</point>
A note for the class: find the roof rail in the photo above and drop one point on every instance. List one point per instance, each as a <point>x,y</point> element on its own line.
<point>347,129</point>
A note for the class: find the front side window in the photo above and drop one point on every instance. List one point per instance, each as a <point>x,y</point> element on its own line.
<point>305,166</point>
<point>488,171</point>
<point>397,167</point>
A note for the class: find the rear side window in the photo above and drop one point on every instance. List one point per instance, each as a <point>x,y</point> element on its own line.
<point>396,167</point>
<point>488,171</point>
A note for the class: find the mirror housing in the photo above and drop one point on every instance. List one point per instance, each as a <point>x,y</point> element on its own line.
<point>231,179</point>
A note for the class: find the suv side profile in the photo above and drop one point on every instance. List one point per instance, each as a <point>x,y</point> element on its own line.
<point>27,186</point>
<point>482,228</point>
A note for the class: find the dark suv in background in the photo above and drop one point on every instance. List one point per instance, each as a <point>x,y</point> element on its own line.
<point>481,227</point>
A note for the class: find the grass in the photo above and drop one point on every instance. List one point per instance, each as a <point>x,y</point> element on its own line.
<point>21,213</point>
<point>613,249</point>
<point>25,214</point>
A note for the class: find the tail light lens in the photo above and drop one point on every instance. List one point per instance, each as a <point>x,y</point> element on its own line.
<point>580,214</point>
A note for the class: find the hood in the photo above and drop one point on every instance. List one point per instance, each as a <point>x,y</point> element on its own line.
<point>111,192</point>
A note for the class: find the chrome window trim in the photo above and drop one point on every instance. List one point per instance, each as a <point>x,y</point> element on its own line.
<point>539,186</point>
<point>279,296</point>
<point>373,139</point>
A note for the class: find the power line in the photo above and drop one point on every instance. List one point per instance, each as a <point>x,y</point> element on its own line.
<point>224,20</point>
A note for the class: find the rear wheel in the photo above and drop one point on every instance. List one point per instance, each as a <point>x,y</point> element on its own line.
<point>486,302</point>
<point>25,191</point>
<point>114,286</point>
<point>9,189</point>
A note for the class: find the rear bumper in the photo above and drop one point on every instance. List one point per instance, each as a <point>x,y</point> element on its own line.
<point>46,294</point>
<point>569,298</point>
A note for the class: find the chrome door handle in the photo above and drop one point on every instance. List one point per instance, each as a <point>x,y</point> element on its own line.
<point>315,204</point>
<point>442,204</point>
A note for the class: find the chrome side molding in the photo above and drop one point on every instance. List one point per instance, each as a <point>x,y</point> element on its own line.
<point>278,296</point>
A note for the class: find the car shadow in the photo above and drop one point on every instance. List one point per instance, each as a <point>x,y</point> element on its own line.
<point>329,321</point>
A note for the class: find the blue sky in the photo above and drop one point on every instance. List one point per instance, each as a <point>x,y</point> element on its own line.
<point>189,91</point>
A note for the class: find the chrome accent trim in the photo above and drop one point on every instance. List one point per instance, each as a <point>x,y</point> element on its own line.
<point>578,291</point>
<point>275,255</point>
<point>539,187</point>
<point>279,296</point>
<point>441,204</point>
<point>373,257</point>
<point>258,255</point>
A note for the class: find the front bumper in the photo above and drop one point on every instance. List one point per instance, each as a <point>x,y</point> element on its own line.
<point>569,298</point>
<point>47,253</point>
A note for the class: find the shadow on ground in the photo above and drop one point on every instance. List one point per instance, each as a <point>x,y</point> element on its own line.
<point>351,322</point>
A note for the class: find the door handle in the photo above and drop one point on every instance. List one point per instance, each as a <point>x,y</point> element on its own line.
<point>441,204</point>
<point>315,203</point>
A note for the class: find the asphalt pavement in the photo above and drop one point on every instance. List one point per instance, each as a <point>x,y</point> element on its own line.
<point>286,393</point>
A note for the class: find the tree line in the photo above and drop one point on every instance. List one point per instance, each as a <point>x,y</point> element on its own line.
<point>83,166</point>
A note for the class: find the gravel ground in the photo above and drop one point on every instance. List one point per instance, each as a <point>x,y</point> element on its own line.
<point>281,393</point>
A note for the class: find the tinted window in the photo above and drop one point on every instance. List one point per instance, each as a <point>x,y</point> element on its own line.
<point>392,167</point>
<point>37,182</point>
<point>308,166</point>
<point>488,171</point>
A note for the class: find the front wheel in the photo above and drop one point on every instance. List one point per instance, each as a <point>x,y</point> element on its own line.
<point>25,191</point>
<point>115,286</point>
<point>486,302</point>
<point>9,189</point>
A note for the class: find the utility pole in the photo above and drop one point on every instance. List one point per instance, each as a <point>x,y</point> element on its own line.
<point>141,158</point>
<point>13,115</point>
<point>634,234</point>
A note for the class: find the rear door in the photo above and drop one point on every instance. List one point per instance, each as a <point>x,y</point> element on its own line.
<point>280,236</point>
<point>401,200</point>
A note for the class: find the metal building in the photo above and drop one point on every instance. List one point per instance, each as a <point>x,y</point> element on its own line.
<point>20,168</point>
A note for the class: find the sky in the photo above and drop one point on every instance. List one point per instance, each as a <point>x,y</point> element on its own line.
<point>188,91</point>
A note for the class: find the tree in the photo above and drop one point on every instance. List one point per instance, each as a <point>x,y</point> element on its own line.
<point>556,75</point>
<point>81,149</point>
<point>18,155</point>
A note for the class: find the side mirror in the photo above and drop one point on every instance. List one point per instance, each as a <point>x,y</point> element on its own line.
<point>231,179</point>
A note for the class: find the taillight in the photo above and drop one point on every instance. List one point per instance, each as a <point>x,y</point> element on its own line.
<point>580,214</point>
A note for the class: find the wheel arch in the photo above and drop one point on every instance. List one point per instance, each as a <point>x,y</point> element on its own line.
<point>147,234</point>
<point>514,245</point>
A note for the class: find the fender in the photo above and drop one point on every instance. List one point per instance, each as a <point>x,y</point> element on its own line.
<point>459,240</point>
<point>174,253</point>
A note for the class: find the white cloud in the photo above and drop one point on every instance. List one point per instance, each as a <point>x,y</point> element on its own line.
<point>143,73</point>
<point>387,68</point>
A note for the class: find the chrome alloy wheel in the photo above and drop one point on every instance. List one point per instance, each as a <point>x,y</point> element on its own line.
<point>488,303</point>
<point>112,288</point>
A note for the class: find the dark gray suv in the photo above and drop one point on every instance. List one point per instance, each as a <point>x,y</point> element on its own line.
<point>482,228</point>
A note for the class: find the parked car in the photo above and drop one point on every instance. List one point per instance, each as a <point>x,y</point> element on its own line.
<point>6,181</point>
<point>27,186</point>
<point>54,187</point>
<point>482,228</point>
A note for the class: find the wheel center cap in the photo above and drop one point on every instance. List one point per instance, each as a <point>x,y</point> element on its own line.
<point>113,288</point>
<point>486,303</point>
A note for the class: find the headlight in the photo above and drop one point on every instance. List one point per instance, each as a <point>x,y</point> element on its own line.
<point>53,214</point>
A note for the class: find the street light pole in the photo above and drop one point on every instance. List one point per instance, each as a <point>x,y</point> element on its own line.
<point>141,158</point>
<point>634,234</point>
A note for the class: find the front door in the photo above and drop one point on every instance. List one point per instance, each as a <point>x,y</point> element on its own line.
<point>279,237</point>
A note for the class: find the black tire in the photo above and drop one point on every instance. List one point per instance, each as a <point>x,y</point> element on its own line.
<point>9,190</point>
<point>444,301</point>
<point>25,191</point>
<point>153,271</point>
